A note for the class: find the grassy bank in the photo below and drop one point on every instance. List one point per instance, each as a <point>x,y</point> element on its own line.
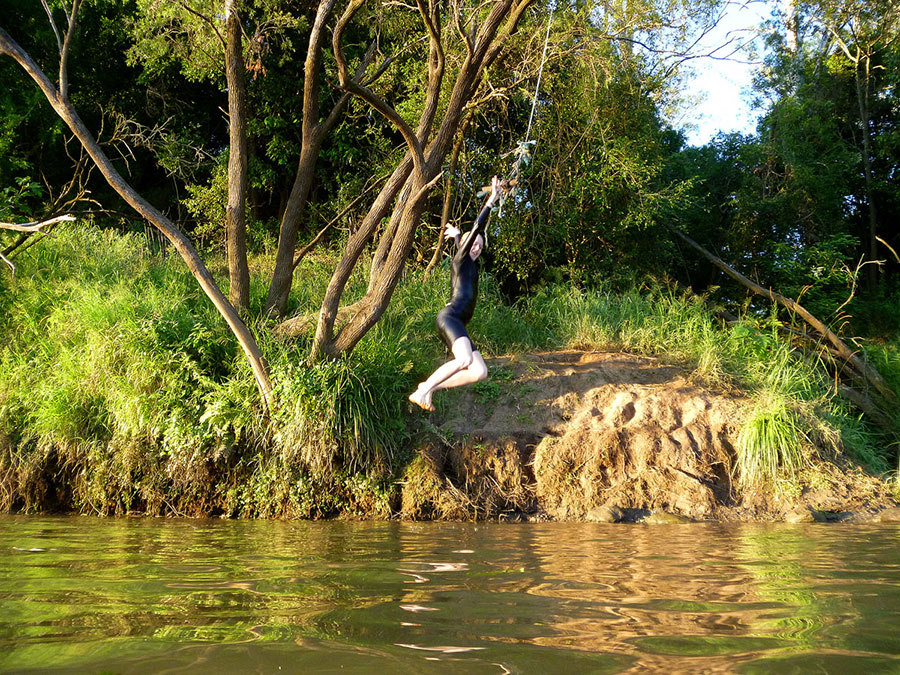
<point>121,389</point>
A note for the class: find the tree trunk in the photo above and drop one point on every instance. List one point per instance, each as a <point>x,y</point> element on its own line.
<point>313,133</point>
<point>448,200</point>
<point>862,97</point>
<point>323,344</point>
<point>375,302</point>
<point>238,160</point>
<point>426,122</point>
<point>283,274</point>
<point>871,375</point>
<point>482,46</point>
<point>387,237</point>
<point>182,244</point>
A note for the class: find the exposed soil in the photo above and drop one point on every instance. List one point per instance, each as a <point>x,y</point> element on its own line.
<point>606,436</point>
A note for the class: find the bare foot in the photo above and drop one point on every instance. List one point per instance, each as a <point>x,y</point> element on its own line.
<point>421,400</point>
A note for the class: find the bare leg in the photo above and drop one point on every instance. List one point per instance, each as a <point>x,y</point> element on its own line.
<point>465,368</point>
<point>476,372</point>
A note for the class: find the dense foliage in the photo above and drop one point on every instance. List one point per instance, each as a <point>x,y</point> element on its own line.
<point>789,205</point>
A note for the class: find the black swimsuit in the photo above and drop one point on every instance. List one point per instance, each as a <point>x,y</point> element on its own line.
<point>452,319</point>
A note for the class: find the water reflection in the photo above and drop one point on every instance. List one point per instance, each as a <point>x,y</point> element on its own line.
<point>151,595</point>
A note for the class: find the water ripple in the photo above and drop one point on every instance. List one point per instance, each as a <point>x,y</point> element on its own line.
<point>147,595</point>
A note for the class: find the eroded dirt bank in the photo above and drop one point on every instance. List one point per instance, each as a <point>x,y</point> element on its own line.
<point>606,436</point>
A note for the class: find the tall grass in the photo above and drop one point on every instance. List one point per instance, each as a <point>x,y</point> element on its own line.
<point>770,444</point>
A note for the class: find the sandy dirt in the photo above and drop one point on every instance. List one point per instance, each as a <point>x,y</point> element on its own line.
<point>606,436</point>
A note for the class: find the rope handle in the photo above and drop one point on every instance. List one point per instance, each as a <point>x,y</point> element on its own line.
<point>505,185</point>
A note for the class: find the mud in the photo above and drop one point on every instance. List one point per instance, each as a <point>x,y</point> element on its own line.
<point>607,436</point>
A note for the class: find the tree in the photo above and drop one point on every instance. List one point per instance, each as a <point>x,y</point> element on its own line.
<point>828,136</point>
<point>58,97</point>
<point>862,31</point>
<point>238,161</point>
<point>314,132</point>
<point>482,35</point>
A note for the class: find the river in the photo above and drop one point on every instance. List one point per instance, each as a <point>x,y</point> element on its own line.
<point>134,595</point>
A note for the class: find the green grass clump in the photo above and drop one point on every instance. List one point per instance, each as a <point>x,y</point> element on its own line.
<point>769,445</point>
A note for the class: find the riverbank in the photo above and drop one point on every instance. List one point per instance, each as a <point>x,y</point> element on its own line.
<point>575,435</point>
<point>122,392</point>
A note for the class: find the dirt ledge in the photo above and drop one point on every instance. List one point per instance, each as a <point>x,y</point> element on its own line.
<point>577,435</point>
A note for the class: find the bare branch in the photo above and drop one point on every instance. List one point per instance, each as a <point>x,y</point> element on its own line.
<point>331,121</point>
<point>205,18</point>
<point>306,249</point>
<point>457,24</point>
<point>59,42</point>
<point>64,54</point>
<point>425,188</point>
<point>397,3</point>
<point>388,61</point>
<point>435,69</point>
<point>8,262</point>
<point>431,26</point>
<point>889,248</point>
<point>36,225</point>
<point>512,22</point>
<point>348,84</point>
<point>26,230</point>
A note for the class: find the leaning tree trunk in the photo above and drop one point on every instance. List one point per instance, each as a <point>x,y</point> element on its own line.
<point>448,201</point>
<point>238,159</point>
<point>312,137</point>
<point>839,347</point>
<point>313,134</point>
<point>66,111</point>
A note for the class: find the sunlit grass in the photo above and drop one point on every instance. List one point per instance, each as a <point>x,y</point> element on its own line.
<point>769,445</point>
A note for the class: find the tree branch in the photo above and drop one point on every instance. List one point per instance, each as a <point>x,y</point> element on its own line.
<point>28,229</point>
<point>64,54</point>
<point>872,376</point>
<point>59,42</point>
<point>8,262</point>
<point>36,225</point>
<point>329,123</point>
<point>206,19</point>
<point>348,84</point>
<point>306,249</point>
<point>457,23</point>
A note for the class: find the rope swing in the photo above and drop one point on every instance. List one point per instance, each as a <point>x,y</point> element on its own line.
<point>523,151</point>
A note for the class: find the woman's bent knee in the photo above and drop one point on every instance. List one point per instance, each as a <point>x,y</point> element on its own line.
<point>465,361</point>
<point>462,352</point>
<point>478,368</point>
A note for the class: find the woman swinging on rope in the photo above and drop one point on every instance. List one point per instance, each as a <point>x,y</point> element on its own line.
<point>467,365</point>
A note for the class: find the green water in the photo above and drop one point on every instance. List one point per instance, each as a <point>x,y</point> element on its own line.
<point>141,595</point>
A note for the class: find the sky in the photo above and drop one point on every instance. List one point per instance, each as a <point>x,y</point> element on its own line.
<point>722,86</point>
